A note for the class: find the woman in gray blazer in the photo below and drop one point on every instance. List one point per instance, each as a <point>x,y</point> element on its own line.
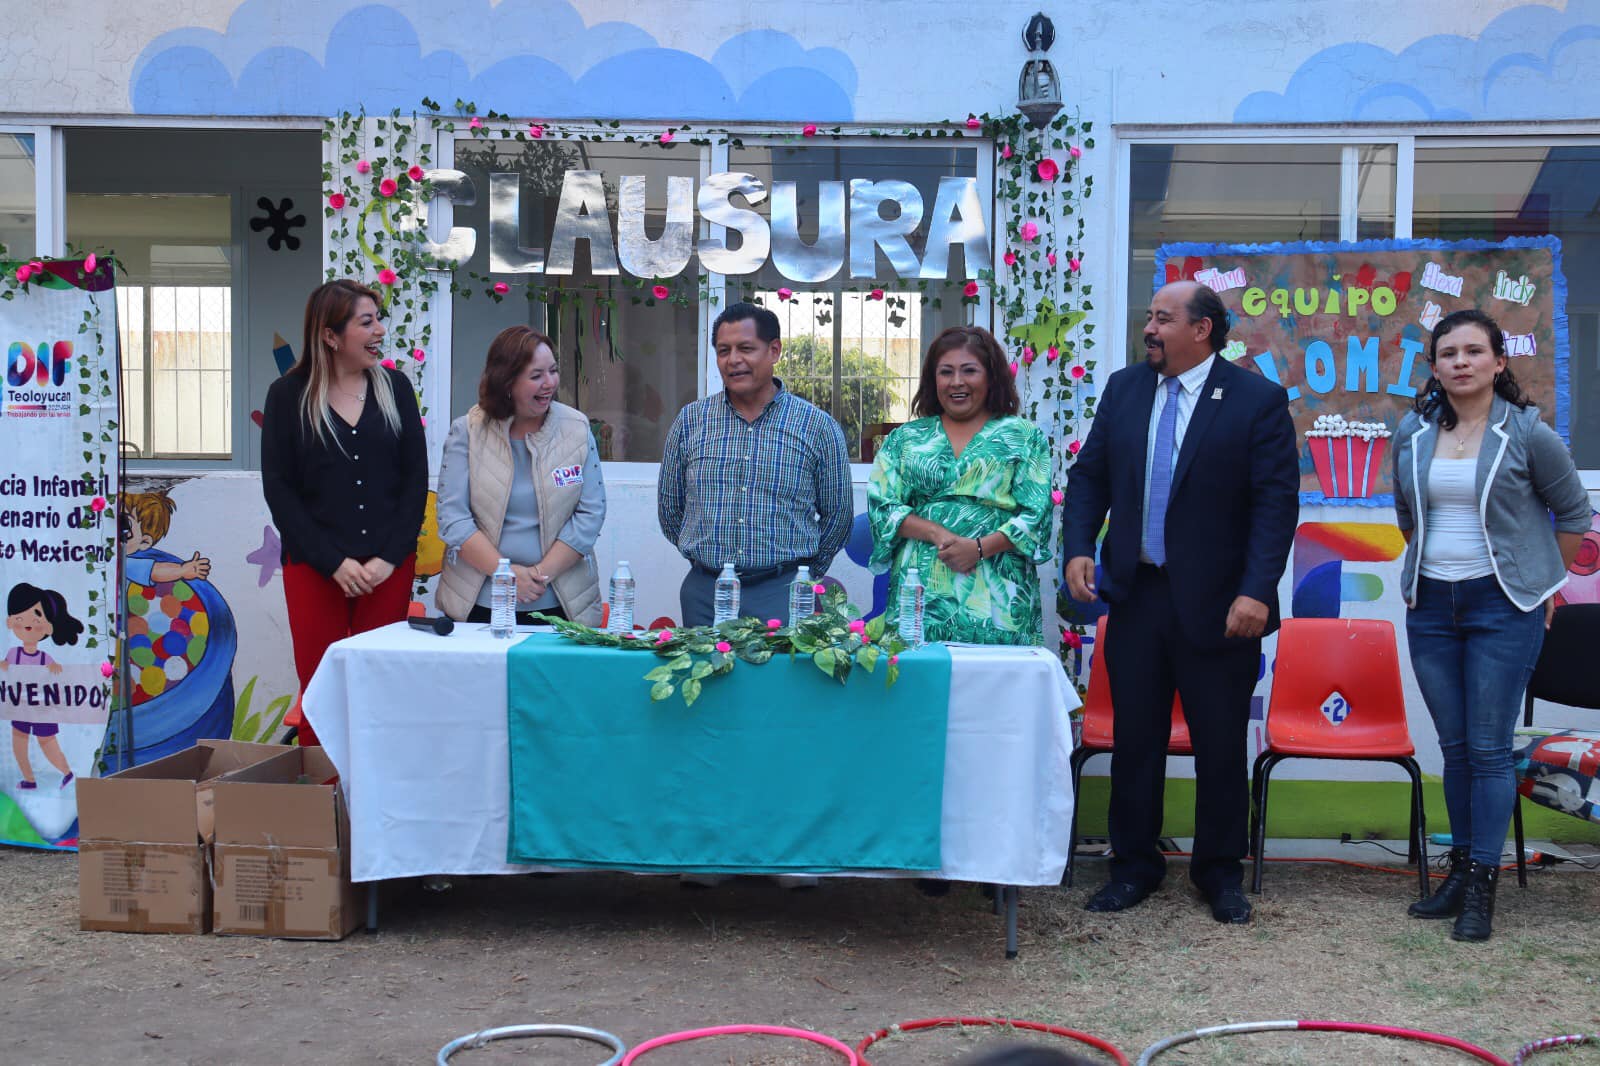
<point>1477,477</point>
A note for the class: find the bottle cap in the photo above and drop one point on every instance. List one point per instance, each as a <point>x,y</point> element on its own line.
<point>621,563</point>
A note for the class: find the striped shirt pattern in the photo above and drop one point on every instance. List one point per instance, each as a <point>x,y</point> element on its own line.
<point>756,494</point>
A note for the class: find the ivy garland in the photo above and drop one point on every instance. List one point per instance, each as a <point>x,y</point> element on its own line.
<point>101,440</point>
<point>1039,237</point>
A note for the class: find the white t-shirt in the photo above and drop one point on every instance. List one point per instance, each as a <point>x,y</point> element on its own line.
<point>1453,545</point>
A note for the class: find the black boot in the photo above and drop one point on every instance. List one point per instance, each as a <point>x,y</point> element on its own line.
<point>1477,909</point>
<point>1446,899</point>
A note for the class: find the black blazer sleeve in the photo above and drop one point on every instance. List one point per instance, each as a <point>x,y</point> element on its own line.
<point>1275,497</point>
<point>413,474</point>
<point>1088,495</point>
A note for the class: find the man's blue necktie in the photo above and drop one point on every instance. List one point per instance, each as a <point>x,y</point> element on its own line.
<point>1155,517</point>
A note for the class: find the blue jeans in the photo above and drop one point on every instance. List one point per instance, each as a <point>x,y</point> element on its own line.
<point>1473,652</point>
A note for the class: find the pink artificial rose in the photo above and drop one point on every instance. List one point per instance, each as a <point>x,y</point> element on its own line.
<point>1057,496</point>
<point>535,131</point>
<point>24,272</point>
<point>666,137</point>
<point>363,167</point>
<point>974,123</point>
<point>418,354</point>
<point>475,124</point>
<point>858,627</point>
<point>388,187</point>
<point>1005,151</point>
<point>1010,258</point>
<point>875,294</point>
<point>724,647</point>
<point>660,292</point>
<point>1050,257</point>
<point>786,294</point>
<point>1013,367</point>
<point>808,130</point>
<point>629,636</point>
<point>1047,170</point>
<point>89,263</point>
<point>1071,639</point>
<point>1027,354</point>
<point>1077,371</point>
<point>415,173</point>
<point>387,277</point>
<point>1074,264</point>
<point>1075,446</point>
<point>106,670</point>
<point>501,288</point>
<point>663,636</point>
<point>1052,354</point>
<point>893,659</point>
<point>970,289</point>
<point>423,419</point>
<point>819,589</point>
<point>336,201</point>
<point>773,623</point>
<point>387,364</point>
<point>36,266</point>
<point>97,504</point>
<point>1074,151</point>
<point>1029,231</point>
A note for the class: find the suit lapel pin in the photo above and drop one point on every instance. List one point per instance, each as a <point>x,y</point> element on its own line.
<point>1216,394</point>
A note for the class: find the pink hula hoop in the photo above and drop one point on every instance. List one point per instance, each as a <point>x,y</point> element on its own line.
<point>748,1030</point>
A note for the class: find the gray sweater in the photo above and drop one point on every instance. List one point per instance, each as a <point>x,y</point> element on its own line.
<point>1524,475</point>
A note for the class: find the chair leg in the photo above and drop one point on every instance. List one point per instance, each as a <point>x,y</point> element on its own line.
<point>1411,831</point>
<point>1079,757</point>
<point>1255,802</point>
<point>1264,778</point>
<point>1522,851</point>
<point>1419,838</point>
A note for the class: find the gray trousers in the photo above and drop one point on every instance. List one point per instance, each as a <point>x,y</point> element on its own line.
<point>757,599</point>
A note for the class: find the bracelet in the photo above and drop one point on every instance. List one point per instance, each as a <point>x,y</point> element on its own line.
<point>979,542</point>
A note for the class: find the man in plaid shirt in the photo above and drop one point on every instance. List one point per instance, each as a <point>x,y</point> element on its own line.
<point>753,476</point>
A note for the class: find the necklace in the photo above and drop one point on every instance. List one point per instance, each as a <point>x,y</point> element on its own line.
<point>1462,439</point>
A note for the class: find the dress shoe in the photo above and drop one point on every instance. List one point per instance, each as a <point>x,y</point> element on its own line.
<point>1116,896</point>
<point>1447,899</point>
<point>1230,905</point>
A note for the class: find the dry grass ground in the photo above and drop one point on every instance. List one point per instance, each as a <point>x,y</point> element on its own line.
<point>640,957</point>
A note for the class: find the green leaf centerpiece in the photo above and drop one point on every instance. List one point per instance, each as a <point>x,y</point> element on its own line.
<point>835,639</point>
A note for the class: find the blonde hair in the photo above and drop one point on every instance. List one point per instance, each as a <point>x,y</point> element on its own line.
<point>331,306</point>
<point>152,510</point>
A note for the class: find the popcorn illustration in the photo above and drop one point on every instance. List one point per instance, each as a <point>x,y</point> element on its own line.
<point>1348,456</point>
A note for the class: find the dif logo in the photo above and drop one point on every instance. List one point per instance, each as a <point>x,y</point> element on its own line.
<point>45,367</point>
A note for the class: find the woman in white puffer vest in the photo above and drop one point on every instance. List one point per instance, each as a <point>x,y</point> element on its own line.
<point>520,480</point>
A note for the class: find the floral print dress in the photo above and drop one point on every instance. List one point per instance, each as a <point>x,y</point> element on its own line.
<point>1000,482</point>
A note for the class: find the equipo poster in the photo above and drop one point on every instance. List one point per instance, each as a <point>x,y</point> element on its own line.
<point>58,432</point>
<point>1345,329</point>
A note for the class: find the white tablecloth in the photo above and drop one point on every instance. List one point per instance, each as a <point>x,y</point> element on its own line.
<point>416,724</point>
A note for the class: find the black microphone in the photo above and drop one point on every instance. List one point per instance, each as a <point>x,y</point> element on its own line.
<point>441,626</point>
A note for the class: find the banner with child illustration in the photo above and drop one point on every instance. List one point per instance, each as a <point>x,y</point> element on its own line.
<point>58,572</point>
<point>1345,328</point>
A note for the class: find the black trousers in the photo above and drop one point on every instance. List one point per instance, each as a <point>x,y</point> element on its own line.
<point>1147,657</point>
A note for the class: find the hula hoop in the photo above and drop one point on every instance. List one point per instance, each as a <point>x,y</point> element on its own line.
<point>513,1032</point>
<point>733,1030</point>
<point>1419,1035</point>
<point>1014,1023</point>
<point>1527,1051</point>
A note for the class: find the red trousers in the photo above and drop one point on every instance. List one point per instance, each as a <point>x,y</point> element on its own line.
<point>320,613</point>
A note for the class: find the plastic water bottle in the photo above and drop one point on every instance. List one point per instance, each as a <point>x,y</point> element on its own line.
<point>802,596</point>
<point>726,603</point>
<point>621,617</point>
<point>911,608</point>
<point>503,601</point>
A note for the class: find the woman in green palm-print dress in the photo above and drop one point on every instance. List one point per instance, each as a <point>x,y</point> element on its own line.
<point>963,495</point>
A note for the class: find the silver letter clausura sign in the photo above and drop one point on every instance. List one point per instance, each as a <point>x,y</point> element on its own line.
<point>582,216</point>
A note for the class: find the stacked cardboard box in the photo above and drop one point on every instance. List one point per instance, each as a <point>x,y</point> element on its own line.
<point>249,839</point>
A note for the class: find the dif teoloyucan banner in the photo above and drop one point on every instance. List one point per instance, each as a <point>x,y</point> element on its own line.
<point>1345,328</point>
<point>58,565</point>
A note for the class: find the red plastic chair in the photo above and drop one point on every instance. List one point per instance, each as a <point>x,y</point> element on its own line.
<point>1336,694</point>
<point>1096,734</point>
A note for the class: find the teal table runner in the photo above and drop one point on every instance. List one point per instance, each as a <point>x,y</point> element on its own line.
<point>776,768</point>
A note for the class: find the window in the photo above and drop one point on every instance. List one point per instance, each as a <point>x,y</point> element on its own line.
<point>174,317</point>
<point>855,356</point>
<point>627,361</point>
<point>1494,191</point>
<point>18,211</point>
<point>1250,194</point>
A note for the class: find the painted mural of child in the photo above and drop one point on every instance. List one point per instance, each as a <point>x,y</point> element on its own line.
<point>143,520</point>
<point>32,614</point>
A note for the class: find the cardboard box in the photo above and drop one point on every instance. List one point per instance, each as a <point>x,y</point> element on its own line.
<point>281,861</point>
<point>142,840</point>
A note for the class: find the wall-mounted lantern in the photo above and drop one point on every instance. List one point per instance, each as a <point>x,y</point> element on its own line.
<point>1039,90</point>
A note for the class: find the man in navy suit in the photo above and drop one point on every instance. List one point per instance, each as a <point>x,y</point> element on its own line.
<point>1196,462</point>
